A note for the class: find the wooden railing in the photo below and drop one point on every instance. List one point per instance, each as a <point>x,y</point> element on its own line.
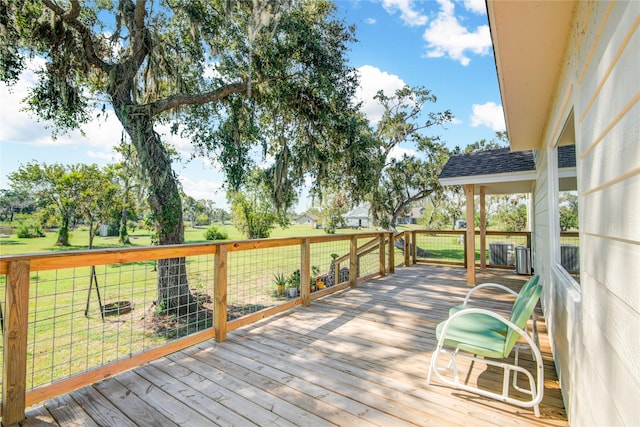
<point>45,294</point>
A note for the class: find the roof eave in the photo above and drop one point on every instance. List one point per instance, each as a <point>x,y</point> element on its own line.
<point>529,41</point>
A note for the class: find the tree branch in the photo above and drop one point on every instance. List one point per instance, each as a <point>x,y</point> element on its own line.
<point>140,13</point>
<point>73,14</point>
<point>71,19</point>
<point>180,99</point>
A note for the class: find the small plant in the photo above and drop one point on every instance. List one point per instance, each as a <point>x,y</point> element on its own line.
<point>280,281</point>
<point>213,233</point>
<point>294,279</point>
<point>334,256</point>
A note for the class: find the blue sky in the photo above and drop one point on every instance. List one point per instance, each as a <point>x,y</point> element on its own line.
<point>442,45</point>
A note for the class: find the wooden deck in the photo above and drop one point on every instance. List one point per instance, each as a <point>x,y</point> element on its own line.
<point>355,358</point>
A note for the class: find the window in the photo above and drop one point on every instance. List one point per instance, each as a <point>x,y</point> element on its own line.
<point>569,240</point>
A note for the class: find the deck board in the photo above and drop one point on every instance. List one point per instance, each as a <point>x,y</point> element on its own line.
<point>355,358</point>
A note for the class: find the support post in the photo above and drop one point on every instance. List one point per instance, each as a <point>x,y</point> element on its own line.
<point>414,245</point>
<point>305,272</point>
<point>471,238</point>
<point>353,262</point>
<point>220,293</point>
<point>383,269</point>
<point>15,342</point>
<point>392,246</point>
<point>483,228</point>
<point>407,249</point>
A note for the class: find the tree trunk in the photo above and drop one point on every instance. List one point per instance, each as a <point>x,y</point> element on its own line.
<point>174,295</point>
<point>63,232</point>
<point>123,233</point>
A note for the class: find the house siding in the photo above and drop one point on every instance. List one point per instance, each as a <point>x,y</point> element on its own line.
<point>595,325</point>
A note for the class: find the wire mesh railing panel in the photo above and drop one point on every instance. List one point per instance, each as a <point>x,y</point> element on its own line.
<point>261,278</point>
<point>86,317</point>
<point>439,247</point>
<point>326,268</point>
<point>398,250</point>
<point>368,258</point>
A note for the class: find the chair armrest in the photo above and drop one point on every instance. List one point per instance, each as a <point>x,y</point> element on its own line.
<point>487,285</point>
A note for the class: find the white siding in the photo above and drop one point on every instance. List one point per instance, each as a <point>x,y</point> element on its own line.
<point>595,327</point>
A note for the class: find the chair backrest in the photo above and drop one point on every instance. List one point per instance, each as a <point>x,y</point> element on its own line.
<point>525,291</point>
<point>529,284</point>
<point>522,309</point>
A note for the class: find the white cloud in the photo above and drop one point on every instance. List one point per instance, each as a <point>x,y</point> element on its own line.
<point>202,189</point>
<point>22,127</point>
<point>408,13</point>
<point>476,6</point>
<point>445,36</point>
<point>397,153</point>
<point>370,21</point>
<point>109,156</point>
<point>372,80</point>
<point>488,114</point>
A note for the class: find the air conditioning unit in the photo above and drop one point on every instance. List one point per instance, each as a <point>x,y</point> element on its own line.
<point>570,257</point>
<point>501,253</point>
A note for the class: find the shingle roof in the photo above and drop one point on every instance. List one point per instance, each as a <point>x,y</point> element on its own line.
<point>502,160</point>
<point>488,162</point>
<point>567,156</point>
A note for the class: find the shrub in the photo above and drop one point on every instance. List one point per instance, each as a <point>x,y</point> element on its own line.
<point>202,219</point>
<point>213,233</point>
<point>28,230</point>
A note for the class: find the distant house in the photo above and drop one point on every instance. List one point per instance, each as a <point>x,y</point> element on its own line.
<point>307,218</point>
<point>358,217</point>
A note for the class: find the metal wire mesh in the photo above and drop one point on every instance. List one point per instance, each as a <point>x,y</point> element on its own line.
<point>83,318</point>
<point>368,259</point>
<point>439,247</point>
<point>398,252</point>
<point>251,280</point>
<point>329,263</point>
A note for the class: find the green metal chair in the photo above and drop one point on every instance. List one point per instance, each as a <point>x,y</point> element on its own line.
<point>478,334</point>
<point>526,287</point>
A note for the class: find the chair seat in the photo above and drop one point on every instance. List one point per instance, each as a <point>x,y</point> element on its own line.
<point>487,321</point>
<point>476,333</point>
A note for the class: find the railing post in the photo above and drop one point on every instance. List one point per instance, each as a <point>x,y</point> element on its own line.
<point>14,385</point>
<point>220,293</point>
<point>383,270</point>
<point>414,245</point>
<point>407,248</point>
<point>464,242</point>
<point>353,262</point>
<point>392,245</point>
<point>483,228</point>
<point>305,271</point>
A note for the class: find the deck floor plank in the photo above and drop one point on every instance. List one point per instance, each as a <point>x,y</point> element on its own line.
<point>355,358</point>
<point>139,410</point>
<point>68,412</point>
<point>163,398</point>
<point>99,408</point>
<point>274,403</point>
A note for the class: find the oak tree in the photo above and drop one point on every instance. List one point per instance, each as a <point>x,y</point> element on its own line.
<point>230,76</point>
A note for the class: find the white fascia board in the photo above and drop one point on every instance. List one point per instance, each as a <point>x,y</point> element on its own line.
<point>490,179</point>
